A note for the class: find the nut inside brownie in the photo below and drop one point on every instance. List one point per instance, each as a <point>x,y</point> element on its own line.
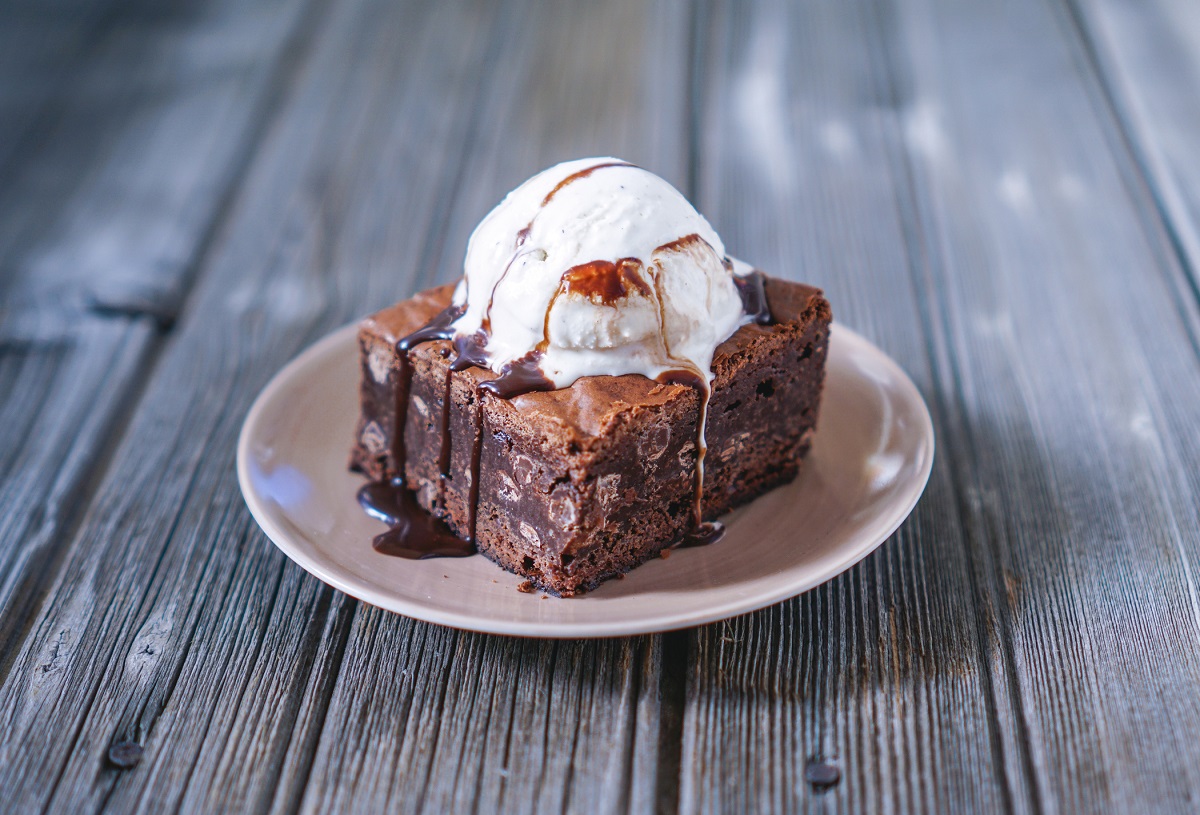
<point>583,483</point>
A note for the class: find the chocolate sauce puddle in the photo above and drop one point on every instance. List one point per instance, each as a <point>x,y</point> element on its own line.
<point>415,533</point>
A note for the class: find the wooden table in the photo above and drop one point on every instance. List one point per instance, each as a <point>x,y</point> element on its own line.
<point>1004,196</point>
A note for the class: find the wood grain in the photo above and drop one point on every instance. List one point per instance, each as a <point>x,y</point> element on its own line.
<point>1077,384</point>
<point>249,683</point>
<point>1065,396</point>
<point>109,201</point>
<point>1003,196</point>
<point>1148,57</point>
<point>44,49</point>
<point>64,404</point>
<point>894,671</point>
<point>124,131</point>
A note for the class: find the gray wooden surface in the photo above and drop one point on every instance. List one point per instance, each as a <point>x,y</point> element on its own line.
<point>1004,196</point>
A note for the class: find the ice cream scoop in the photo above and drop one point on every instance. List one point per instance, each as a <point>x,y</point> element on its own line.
<point>596,267</point>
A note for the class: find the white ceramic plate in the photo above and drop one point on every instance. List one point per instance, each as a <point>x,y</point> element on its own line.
<point>869,462</point>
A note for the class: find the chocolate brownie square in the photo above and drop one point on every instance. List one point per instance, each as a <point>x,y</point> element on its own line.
<point>584,483</point>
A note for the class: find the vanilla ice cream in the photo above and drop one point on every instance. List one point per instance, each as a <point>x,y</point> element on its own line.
<point>596,267</point>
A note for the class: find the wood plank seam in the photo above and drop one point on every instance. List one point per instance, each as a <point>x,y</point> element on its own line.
<point>440,703</point>
<point>674,677</point>
<point>698,36</point>
<point>1165,221</point>
<point>639,685</point>
<point>279,87</point>
<point>174,680</point>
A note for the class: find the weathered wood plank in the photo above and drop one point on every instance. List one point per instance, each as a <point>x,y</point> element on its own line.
<point>894,671</point>
<point>109,159</point>
<point>44,48</point>
<point>508,725</point>
<point>106,206</point>
<point>62,404</point>
<point>174,622</point>
<point>1066,386</point>
<point>1149,57</point>
<point>1075,371</point>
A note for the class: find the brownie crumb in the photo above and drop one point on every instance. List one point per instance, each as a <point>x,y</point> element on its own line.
<point>526,586</point>
<point>665,553</point>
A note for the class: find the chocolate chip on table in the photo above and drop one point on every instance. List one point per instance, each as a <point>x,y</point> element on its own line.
<point>822,774</point>
<point>125,754</point>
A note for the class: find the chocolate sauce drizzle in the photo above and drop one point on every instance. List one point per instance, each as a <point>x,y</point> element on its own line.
<point>573,177</point>
<point>701,532</point>
<point>416,534</point>
<point>603,281</point>
<point>752,287</point>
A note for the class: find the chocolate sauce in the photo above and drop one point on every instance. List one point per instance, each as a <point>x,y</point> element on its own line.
<point>413,533</point>
<point>753,291</point>
<point>573,177</point>
<point>706,533</point>
<point>683,244</point>
<point>436,329</point>
<point>693,379</point>
<point>606,282</point>
<point>517,377</point>
<point>470,350</point>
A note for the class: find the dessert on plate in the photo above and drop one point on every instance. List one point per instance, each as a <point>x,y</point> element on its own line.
<point>601,385</point>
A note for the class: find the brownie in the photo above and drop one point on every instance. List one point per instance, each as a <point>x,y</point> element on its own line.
<point>584,483</point>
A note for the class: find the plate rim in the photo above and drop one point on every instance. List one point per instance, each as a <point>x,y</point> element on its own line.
<point>569,630</point>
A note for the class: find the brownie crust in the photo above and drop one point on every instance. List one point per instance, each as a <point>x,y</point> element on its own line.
<point>581,484</point>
